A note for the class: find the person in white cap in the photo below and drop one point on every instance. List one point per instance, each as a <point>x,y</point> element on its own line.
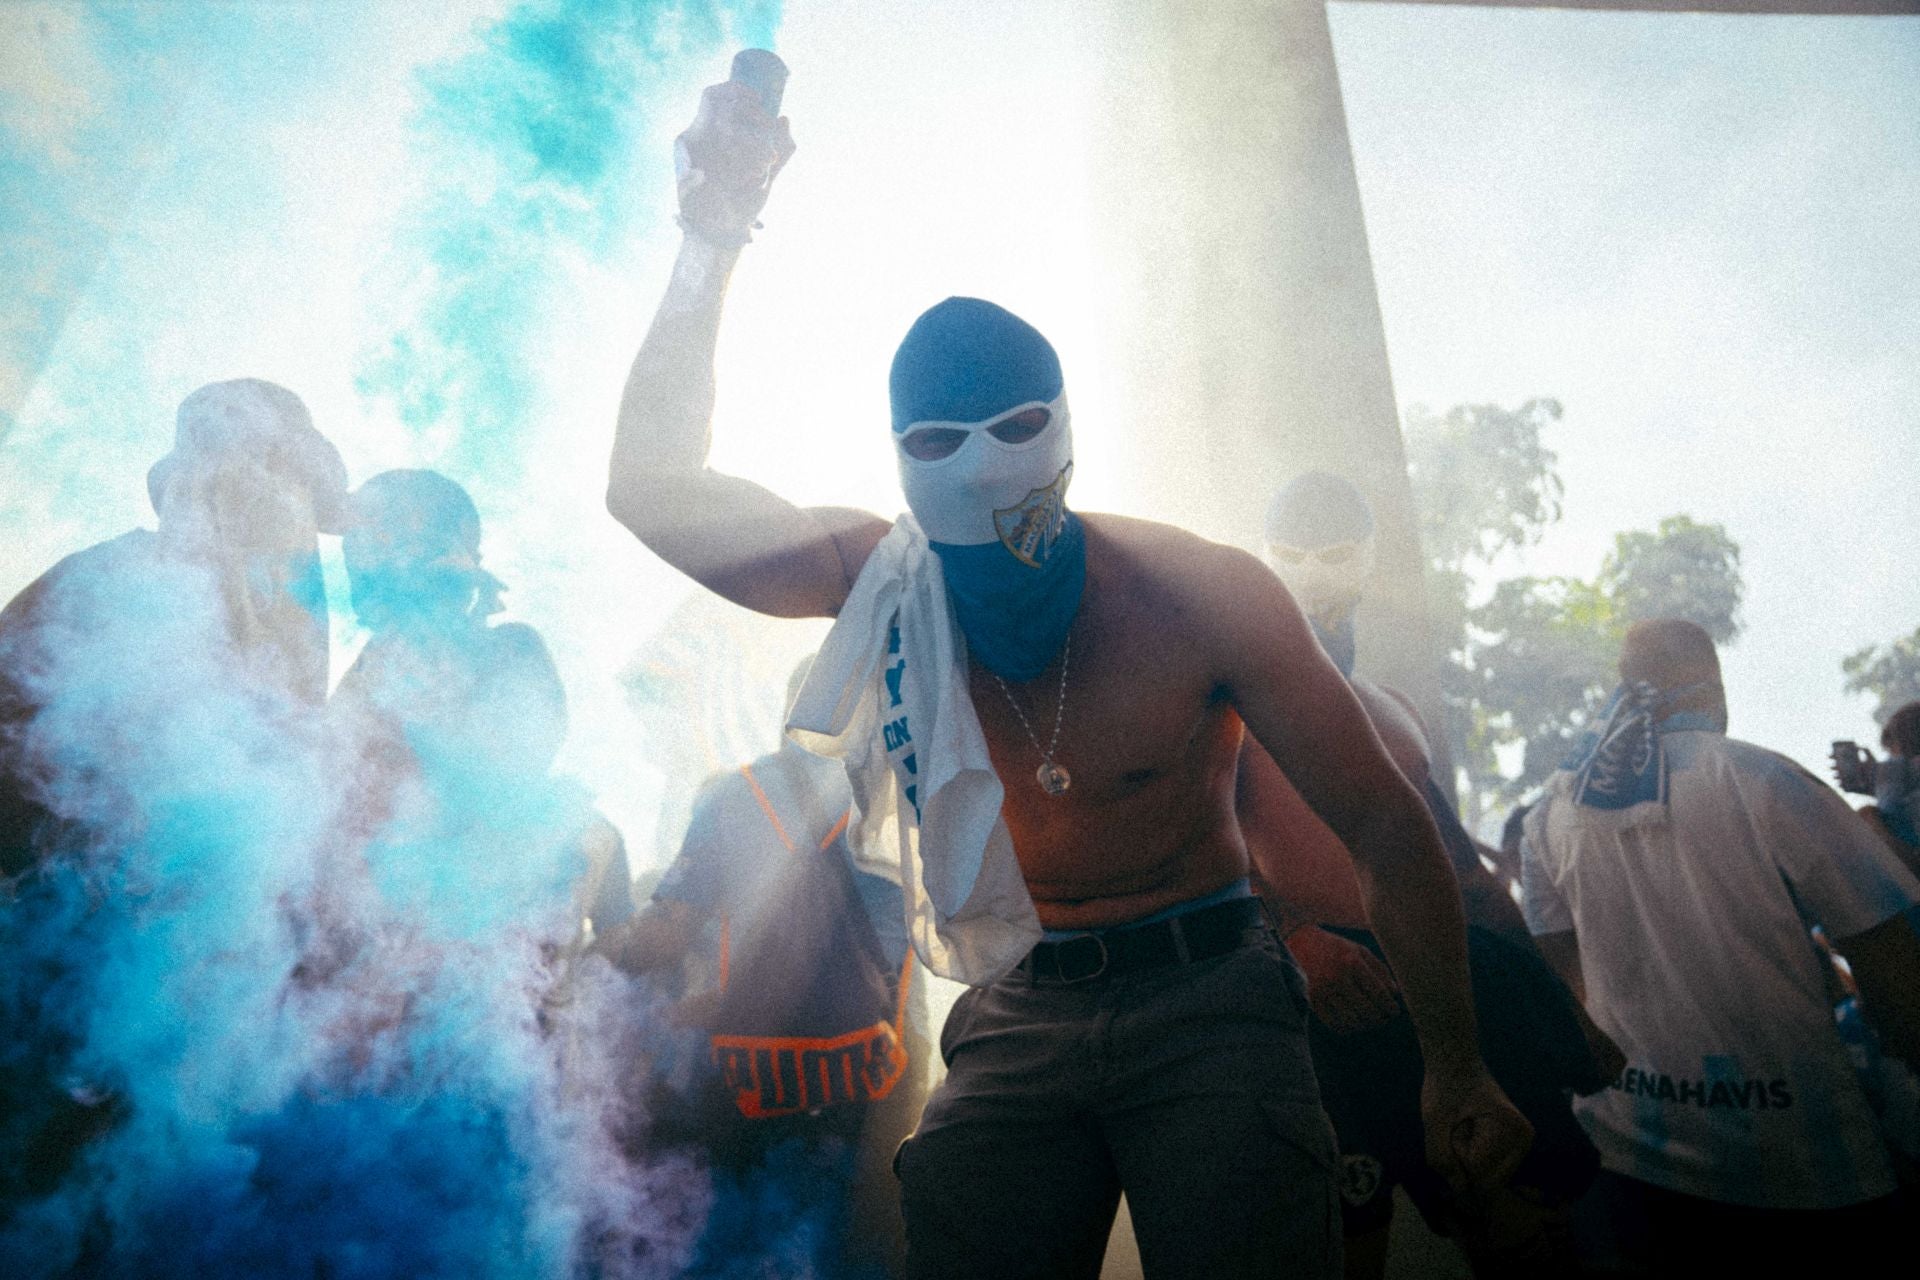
<point>218,615</point>
<point>234,564</point>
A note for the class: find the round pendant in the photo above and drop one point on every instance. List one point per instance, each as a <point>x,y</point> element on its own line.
<point>1053,779</point>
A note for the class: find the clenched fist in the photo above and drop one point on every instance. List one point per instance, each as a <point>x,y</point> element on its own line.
<point>1475,1137</point>
<point>726,162</point>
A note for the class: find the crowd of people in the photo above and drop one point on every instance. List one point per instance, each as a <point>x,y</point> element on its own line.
<point>1228,949</point>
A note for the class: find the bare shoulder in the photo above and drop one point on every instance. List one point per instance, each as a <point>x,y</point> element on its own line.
<point>1398,725</point>
<point>1222,603</point>
<point>1399,700</point>
<point>1166,558</point>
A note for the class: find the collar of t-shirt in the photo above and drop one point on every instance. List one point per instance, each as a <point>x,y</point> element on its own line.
<point>1682,721</point>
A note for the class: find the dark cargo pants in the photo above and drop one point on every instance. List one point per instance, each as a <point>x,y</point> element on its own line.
<point>1188,1086</point>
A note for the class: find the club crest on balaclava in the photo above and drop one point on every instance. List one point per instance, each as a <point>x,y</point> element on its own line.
<point>968,385</point>
<point>1320,541</point>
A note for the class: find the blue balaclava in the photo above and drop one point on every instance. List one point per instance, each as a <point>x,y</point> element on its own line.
<point>1320,542</point>
<point>995,512</point>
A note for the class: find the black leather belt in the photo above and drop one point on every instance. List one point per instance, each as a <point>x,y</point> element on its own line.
<point>1107,953</point>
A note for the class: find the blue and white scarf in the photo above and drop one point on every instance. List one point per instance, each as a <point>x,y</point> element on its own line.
<point>1621,764</point>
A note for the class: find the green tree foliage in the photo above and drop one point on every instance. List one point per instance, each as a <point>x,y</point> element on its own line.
<point>1890,672</point>
<point>1484,483</point>
<point>1485,478</point>
<point>1680,570</point>
<point>1525,670</point>
<point>1542,649</point>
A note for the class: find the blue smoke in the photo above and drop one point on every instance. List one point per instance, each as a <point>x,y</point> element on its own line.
<point>538,147</point>
<point>361,1186</point>
<point>268,1039</point>
<point>290,1068</point>
<point>267,1033</point>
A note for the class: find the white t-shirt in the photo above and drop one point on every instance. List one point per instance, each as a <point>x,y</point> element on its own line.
<point>1694,946</point>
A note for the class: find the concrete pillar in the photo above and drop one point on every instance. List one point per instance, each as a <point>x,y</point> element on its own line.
<point>1250,330</point>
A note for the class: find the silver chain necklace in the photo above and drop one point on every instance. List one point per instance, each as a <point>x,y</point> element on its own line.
<point>1053,778</point>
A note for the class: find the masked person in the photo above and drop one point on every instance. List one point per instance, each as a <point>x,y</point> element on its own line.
<point>1040,714</point>
<point>1320,536</point>
<point>1672,874</point>
<point>112,665</point>
<point>233,569</point>
<point>453,722</point>
<point>436,679</point>
<point>812,1012</point>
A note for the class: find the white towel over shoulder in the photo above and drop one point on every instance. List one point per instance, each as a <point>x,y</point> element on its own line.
<point>888,697</point>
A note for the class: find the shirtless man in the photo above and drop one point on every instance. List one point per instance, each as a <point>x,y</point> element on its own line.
<point>1154,1040</point>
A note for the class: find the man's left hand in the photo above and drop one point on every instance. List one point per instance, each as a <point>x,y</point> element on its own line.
<point>1475,1136</point>
<point>1349,987</point>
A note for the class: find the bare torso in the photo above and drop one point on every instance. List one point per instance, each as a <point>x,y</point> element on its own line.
<point>1149,738</point>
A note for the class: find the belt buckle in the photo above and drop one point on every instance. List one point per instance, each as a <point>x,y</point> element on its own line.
<point>1060,959</point>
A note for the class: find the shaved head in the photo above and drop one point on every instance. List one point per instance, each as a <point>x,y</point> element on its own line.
<point>1668,653</point>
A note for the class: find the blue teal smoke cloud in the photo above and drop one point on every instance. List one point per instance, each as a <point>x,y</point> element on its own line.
<point>443,1104</point>
<point>534,144</point>
<point>268,1064</point>
<point>288,1063</point>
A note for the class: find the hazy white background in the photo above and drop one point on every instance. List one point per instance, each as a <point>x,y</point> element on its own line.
<point>1700,233</point>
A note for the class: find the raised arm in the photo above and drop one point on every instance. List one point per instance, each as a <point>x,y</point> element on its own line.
<point>729,534</point>
<point>1297,706</point>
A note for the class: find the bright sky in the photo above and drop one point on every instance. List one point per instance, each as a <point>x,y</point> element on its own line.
<point>1701,233</point>
<point>1697,232</point>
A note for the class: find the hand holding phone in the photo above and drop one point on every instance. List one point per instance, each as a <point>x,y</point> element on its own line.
<point>1853,767</point>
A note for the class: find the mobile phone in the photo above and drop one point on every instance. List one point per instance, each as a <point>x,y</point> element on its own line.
<point>761,71</point>
<point>1850,767</point>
